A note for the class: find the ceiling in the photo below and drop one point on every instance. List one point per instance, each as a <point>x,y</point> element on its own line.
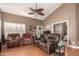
<point>22,9</point>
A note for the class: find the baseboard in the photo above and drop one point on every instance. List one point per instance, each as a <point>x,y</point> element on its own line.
<point>72,46</point>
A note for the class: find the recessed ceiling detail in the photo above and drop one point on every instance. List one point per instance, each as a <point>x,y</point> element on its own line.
<point>22,9</point>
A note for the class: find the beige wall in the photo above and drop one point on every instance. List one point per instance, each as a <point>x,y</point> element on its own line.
<point>0,25</point>
<point>20,19</point>
<point>0,14</point>
<point>65,12</point>
<point>77,22</point>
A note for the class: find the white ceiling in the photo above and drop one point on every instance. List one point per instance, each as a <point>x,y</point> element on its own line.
<point>23,8</point>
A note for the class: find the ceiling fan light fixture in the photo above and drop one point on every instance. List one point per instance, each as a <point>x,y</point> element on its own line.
<point>37,11</point>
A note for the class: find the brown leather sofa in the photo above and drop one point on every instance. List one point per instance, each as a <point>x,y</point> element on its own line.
<point>12,40</point>
<point>48,41</point>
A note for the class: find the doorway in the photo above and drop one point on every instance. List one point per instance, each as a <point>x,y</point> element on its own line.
<point>61,28</point>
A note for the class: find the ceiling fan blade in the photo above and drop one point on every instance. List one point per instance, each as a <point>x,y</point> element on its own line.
<point>41,14</point>
<point>31,13</point>
<point>31,9</point>
<point>41,9</point>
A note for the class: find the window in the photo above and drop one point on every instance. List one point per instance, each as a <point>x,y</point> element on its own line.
<point>13,28</point>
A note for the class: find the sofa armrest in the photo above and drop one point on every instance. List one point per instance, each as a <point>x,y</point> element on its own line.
<point>7,40</point>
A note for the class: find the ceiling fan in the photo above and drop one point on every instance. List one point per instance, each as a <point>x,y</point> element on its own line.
<point>37,11</point>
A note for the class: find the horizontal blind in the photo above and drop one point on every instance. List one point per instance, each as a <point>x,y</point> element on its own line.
<point>14,28</point>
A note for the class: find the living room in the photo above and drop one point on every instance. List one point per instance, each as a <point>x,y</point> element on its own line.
<point>48,34</point>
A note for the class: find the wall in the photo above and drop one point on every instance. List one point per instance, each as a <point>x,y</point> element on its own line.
<point>0,25</point>
<point>0,14</point>
<point>77,22</point>
<point>20,19</point>
<point>65,12</point>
